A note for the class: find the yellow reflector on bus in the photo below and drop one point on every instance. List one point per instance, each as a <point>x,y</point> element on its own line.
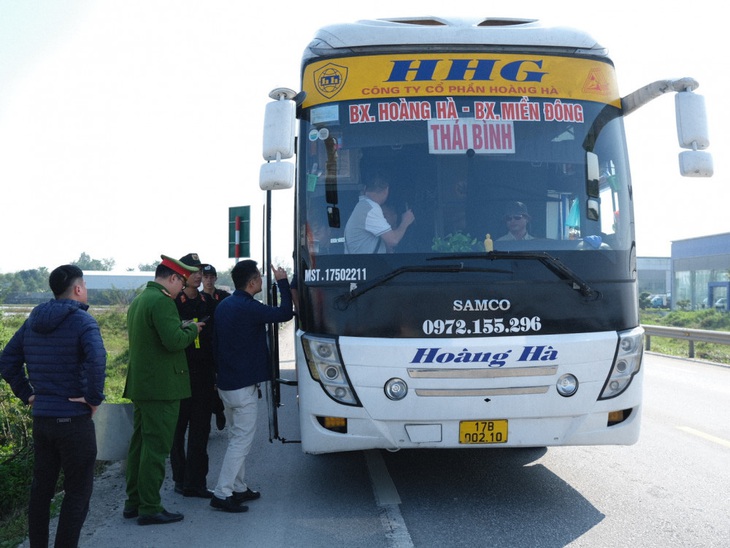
<point>616,417</point>
<point>335,424</point>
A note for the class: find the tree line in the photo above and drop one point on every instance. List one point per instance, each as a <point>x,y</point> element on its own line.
<point>31,286</point>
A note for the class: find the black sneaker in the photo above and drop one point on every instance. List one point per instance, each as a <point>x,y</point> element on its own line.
<point>227,505</point>
<point>245,496</point>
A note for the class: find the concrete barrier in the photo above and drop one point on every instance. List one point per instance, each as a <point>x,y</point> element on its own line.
<point>113,423</point>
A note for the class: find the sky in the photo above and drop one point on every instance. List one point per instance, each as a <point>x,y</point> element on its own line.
<point>128,129</point>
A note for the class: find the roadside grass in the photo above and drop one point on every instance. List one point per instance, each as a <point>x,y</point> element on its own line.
<point>708,319</point>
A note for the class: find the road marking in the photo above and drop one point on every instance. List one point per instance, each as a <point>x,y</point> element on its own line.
<point>385,491</point>
<point>702,435</point>
<point>388,501</point>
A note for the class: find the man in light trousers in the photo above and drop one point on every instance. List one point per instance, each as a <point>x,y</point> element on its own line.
<point>242,361</point>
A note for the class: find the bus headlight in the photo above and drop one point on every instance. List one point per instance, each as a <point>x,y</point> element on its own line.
<point>326,367</point>
<point>626,363</point>
<point>396,389</point>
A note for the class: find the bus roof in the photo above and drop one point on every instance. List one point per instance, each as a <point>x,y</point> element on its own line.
<point>524,34</point>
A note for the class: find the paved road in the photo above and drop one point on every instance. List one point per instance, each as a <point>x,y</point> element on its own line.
<point>670,489</point>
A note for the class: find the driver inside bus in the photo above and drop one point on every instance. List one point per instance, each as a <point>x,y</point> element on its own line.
<point>367,230</point>
<point>517,219</point>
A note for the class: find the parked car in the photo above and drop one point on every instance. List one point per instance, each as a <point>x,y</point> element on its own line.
<point>721,303</point>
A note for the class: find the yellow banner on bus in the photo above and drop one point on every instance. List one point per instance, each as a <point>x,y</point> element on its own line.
<point>459,74</point>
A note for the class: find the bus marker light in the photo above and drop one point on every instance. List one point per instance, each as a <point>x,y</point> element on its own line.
<point>396,389</point>
<point>567,385</point>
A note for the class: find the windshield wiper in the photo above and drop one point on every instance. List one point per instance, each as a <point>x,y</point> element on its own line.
<point>343,301</point>
<point>551,263</point>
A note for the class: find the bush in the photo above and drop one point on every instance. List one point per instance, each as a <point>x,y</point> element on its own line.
<point>16,469</point>
<point>707,319</point>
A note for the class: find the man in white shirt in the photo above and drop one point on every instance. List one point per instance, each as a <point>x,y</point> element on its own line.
<point>367,231</point>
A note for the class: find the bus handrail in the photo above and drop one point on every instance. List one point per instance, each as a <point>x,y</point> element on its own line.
<point>684,333</point>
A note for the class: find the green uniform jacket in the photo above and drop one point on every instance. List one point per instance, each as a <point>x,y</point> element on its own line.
<point>158,368</point>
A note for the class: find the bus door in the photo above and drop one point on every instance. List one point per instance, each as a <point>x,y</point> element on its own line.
<point>273,388</point>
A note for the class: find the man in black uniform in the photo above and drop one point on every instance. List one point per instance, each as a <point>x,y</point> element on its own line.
<point>190,467</point>
<point>210,276</point>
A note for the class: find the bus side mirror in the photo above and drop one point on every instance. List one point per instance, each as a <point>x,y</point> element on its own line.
<point>693,135</point>
<point>278,141</point>
<point>695,163</point>
<point>276,175</point>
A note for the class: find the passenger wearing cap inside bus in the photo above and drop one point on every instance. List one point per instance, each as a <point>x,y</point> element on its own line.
<point>157,379</point>
<point>517,219</point>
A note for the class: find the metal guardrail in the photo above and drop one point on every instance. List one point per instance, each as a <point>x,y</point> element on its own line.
<point>691,335</point>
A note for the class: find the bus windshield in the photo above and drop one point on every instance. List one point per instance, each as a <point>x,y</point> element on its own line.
<point>507,169</point>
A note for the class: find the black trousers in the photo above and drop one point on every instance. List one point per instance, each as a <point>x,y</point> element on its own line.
<point>67,444</point>
<point>189,461</point>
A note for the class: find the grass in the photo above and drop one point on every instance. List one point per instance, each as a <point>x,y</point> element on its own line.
<point>708,319</point>
<point>113,325</point>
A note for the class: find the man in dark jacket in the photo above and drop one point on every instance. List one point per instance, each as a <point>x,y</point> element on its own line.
<point>210,276</point>
<point>189,454</point>
<point>242,360</point>
<point>61,348</point>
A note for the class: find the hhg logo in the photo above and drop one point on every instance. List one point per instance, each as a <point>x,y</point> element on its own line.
<point>330,79</point>
<point>596,82</point>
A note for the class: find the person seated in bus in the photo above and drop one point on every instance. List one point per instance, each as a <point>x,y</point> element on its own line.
<point>391,215</point>
<point>367,230</point>
<point>517,219</point>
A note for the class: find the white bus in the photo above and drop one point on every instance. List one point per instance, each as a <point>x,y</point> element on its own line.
<point>468,332</point>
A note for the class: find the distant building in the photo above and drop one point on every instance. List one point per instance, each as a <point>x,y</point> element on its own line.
<point>696,276</point>
<point>654,275</point>
<point>108,287</point>
<point>701,271</point>
<point>102,280</point>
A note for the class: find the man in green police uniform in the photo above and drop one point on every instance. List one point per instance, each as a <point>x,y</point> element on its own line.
<point>157,379</point>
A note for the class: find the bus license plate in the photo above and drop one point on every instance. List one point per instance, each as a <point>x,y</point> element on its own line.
<point>486,431</point>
